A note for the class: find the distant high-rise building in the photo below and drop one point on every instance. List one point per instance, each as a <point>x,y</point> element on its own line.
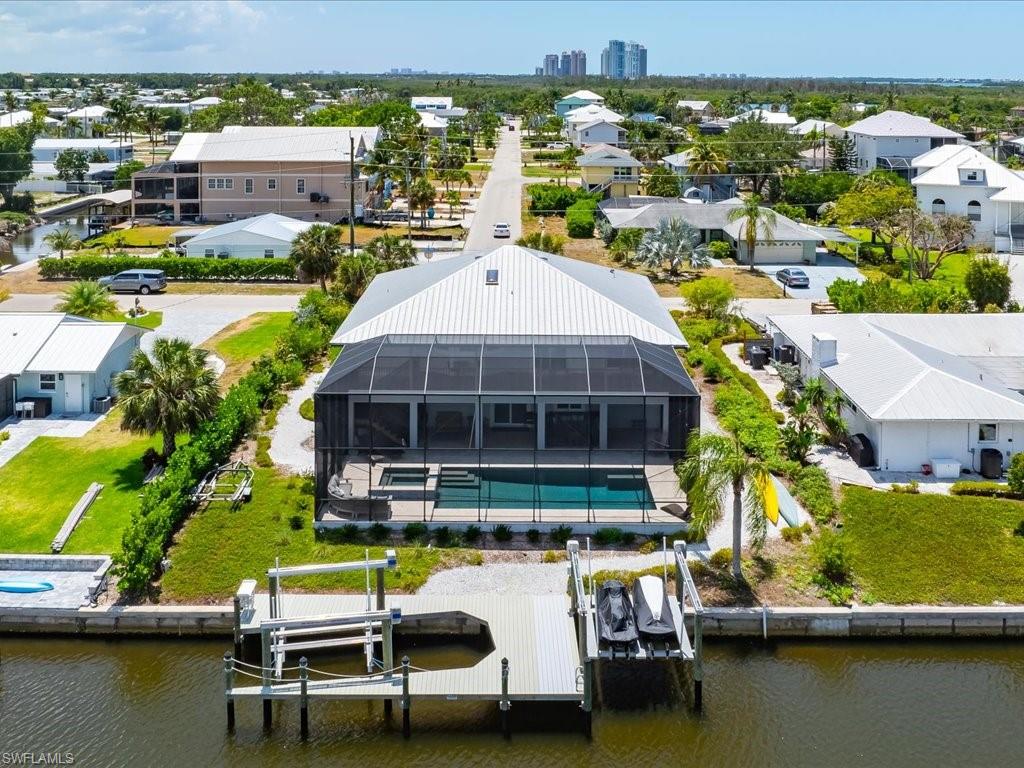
<point>578,64</point>
<point>538,71</point>
<point>551,65</point>
<point>565,67</point>
<point>624,61</point>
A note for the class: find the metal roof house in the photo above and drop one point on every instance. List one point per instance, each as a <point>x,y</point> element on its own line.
<point>65,360</point>
<point>922,388</point>
<point>511,386</point>
<point>268,236</point>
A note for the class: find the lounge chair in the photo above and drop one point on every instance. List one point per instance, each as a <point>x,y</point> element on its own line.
<point>677,510</point>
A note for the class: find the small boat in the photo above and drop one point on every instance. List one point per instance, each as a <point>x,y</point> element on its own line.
<point>616,624</point>
<point>653,612</point>
<point>25,587</point>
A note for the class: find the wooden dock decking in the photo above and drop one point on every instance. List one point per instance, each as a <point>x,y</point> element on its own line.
<point>536,634</point>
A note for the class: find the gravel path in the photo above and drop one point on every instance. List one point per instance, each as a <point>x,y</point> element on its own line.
<point>289,439</point>
<point>199,317</point>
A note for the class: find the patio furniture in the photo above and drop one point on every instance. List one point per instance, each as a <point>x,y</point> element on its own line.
<point>36,407</point>
<point>20,409</point>
<point>677,510</point>
<point>361,507</point>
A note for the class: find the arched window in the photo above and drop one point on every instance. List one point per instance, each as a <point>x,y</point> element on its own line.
<point>938,205</point>
<point>974,210</point>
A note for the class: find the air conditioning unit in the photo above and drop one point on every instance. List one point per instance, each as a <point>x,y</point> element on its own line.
<point>314,197</point>
<point>325,199</point>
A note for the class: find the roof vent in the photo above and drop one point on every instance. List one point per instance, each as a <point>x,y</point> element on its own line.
<point>492,277</point>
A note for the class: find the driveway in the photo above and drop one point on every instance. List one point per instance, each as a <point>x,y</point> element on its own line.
<point>501,199</point>
<point>828,269</point>
<point>1016,265</point>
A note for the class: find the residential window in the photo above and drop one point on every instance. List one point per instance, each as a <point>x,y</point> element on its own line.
<point>974,210</point>
<point>271,184</point>
<point>938,206</point>
<point>268,253</point>
<point>987,433</point>
<point>47,382</point>
<point>208,253</point>
<point>300,186</point>
<point>248,186</point>
<point>220,182</point>
<point>623,173</point>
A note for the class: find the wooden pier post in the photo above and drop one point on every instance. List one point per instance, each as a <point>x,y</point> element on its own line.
<point>588,698</point>
<point>698,662</point>
<point>229,668</point>
<point>380,589</point>
<point>406,726</point>
<point>504,705</point>
<point>268,717</point>
<point>303,698</point>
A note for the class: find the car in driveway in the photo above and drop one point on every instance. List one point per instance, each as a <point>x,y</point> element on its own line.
<point>144,281</point>
<point>501,229</point>
<point>793,277</point>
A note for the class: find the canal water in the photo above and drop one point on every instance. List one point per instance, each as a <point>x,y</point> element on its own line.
<point>29,245</point>
<point>160,703</point>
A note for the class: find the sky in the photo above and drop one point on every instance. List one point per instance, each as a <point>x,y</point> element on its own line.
<point>843,39</point>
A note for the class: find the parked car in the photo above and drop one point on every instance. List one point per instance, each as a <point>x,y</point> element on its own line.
<point>166,217</point>
<point>556,145</point>
<point>144,281</point>
<point>793,277</point>
<point>501,229</point>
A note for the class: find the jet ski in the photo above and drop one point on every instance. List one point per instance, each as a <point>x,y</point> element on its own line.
<point>616,624</point>
<point>653,612</point>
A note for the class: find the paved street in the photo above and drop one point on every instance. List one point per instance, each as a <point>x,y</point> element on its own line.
<point>501,199</point>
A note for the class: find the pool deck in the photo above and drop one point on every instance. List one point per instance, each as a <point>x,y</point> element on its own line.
<point>419,503</point>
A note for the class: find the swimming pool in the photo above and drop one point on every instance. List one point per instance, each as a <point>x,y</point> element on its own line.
<point>526,488</point>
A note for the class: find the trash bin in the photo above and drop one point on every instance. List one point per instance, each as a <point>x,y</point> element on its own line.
<point>758,358</point>
<point>991,463</point>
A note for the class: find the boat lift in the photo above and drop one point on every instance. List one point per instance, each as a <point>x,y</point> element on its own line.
<point>280,635</point>
<point>229,482</point>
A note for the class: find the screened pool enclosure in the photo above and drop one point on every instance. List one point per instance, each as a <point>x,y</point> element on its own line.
<point>501,429</point>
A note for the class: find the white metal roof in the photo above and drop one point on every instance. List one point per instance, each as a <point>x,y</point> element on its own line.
<point>76,144</point>
<point>19,116</point>
<point>818,127</point>
<point>904,367</point>
<point>53,341</point>
<point>764,115</point>
<point>585,95</point>
<point>895,123</point>
<point>537,294</point>
<point>271,225</point>
<point>785,229</point>
<point>944,169</point>
<point>274,143</point>
<point>605,155</point>
<point>697,105</point>
<point>89,113</point>
<point>592,112</point>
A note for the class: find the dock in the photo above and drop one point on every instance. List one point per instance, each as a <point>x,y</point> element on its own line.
<point>544,648</point>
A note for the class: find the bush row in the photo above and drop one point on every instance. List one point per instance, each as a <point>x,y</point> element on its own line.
<point>813,489</point>
<point>579,218</point>
<point>166,503</point>
<point>554,199</point>
<point>176,267</point>
<point>984,488</point>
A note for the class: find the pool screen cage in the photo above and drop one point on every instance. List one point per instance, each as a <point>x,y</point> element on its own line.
<point>486,428</point>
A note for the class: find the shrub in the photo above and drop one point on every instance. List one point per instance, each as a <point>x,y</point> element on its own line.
<point>985,488</point>
<point>542,242</point>
<point>720,559</point>
<point>648,547</point>
<point>378,533</point>
<point>579,218</point>
<point>987,281</point>
<point>415,531</point>
<point>832,567</point>
<point>813,489</point>
<point>553,556</point>
<point>533,536</point>
<point>472,534</point>
<point>549,199</point>
<point>608,536</point>
<point>1015,474</point>
<point>5,435</point>
<point>794,534</point>
<point>176,268</point>
<point>911,487</point>
<point>296,522</point>
<point>720,249</point>
<point>741,414</point>
<point>306,409</point>
<point>709,297</point>
<point>446,537</point>
<point>628,538</point>
<point>561,534</point>
<point>501,532</point>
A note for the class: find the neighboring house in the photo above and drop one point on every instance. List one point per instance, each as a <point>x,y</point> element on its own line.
<point>19,116</point>
<point>1017,111</point>
<point>68,360</point>
<point>430,103</point>
<point>701,109</point>
<point>766,116</point>
<point>458,378</point>
<point>720,188</point>
<point>575,100</point>
<point>791,243</point>
<point>890,140</point>
<point>202,103</point>
<point>46,150</point>
<point>433,124</point>
<point>268,236</point>
<point>598,132</point>
<point>303,172</point>
<point>818,128</point>
<point>89,116</point>
<point>647,117</point>
<point>589,114</point>
<point>922,388</point>
<point>610,170</point>
<point>960,180</point>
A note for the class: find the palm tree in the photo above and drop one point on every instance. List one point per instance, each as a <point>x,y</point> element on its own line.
<point>87,298</point>
<point>61,240</point>
<point>705,162</point>
<point>316,252</point>
<point>72,125</point>
<point>391,251</point>
<point>758,224</point>
<point>716,464</point>
<point>153,122</point>
<point>9,101</point>
<point>421,197</point>
<point>123,118</point>
<point>674,241</point>
<point>169,390</point>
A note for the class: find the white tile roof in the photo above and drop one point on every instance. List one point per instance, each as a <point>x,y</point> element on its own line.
<point>53,341</point>
<point>903,367</point>
<point>274,143</point>
<point>895,123</point>
<point>537,294</point>
<point>944,165</point>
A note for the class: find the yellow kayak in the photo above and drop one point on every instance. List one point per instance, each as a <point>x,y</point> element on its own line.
<point>771,498</point>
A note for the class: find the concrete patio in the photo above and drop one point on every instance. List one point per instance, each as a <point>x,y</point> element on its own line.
<point>24,431</point>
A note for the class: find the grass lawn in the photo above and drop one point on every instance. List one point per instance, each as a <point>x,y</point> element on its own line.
<point>951,271</point>
<point>545,172</point>
<point>925,548</point>
<point>149,320</point>
<point>43,482</point>
<point>245,340</point>
<point>136,237</point>
<point>218,547</point>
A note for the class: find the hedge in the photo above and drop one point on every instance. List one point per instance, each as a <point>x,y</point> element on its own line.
<point>984,488</point>
<point>175,267</point>
<point>167,502</point>
<point>547,199</point>
<point>813,489</point>
<point>579,218</point>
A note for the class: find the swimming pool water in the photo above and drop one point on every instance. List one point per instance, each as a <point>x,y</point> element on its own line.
<point>525,488</point>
